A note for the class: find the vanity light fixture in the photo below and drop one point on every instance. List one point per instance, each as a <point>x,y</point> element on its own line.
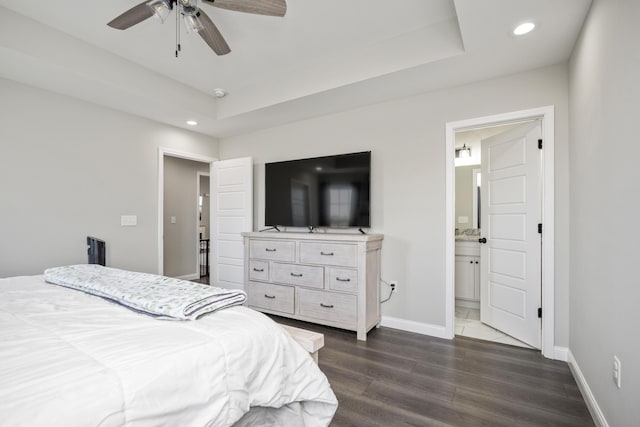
<point>524,28</point>
<point>192,123</point>
<point>463,152</point>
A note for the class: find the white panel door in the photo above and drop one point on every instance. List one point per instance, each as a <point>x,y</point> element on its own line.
<point>510,281</point>
<point>232,208</point>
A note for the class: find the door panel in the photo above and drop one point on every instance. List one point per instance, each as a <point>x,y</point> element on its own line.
<point>510,272</point>
<point>232,207</point>
<point>507,298</point>
<point>508,154</point>
<point>507,263</point>
<point>507,191</point>
<point>508,227</point>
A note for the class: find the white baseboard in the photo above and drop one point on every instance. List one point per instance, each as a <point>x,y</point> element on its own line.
<point>560,353</point>
<point>193,276</point>
<point>467,304</point>
<point>589,398</point>
<point>413,326</point>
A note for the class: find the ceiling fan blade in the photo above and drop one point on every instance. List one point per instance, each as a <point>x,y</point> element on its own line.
<point>259,7</point>
<point>132,16</point>
<point>211,35</point>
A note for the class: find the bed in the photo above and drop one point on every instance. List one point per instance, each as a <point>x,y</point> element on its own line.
<point>72,359</point>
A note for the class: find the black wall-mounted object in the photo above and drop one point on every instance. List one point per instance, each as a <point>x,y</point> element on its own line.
<point>97,251</point>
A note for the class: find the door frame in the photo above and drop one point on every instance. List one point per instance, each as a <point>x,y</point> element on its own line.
<point>545,113</point>
<point>170,152</point>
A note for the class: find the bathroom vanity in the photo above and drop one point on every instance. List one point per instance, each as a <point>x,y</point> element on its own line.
<point>467,271</point>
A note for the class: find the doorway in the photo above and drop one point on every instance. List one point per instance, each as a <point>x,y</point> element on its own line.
<point>545,114</point>
<point>182,217</point>
<point>230,214</point>
<point>502,319</point>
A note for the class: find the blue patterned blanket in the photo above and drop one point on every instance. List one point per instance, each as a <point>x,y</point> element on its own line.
<point>158,296</point>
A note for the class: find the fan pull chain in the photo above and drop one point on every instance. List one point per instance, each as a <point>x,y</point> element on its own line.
<point>177,29</point>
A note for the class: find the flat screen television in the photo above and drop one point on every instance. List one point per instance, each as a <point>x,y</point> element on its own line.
<point>331,191</point>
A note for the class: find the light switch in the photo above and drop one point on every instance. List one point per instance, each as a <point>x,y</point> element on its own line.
<point>463,219</point>
<point>173,220</point>
<point>128,220</point>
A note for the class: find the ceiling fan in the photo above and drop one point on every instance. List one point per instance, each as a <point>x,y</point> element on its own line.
<point>195,18</point>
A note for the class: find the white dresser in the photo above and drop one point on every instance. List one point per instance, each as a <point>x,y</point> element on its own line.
<point>332,279</point>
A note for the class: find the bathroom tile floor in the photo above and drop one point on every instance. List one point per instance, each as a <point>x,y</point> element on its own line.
<point>468,325</point>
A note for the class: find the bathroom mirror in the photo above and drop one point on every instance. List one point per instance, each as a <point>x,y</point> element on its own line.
<point>468,182</point>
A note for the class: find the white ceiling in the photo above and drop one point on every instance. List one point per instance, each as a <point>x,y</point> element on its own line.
<point>322,57</point>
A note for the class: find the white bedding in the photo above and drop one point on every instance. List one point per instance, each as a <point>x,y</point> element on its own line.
<point>71,359</point>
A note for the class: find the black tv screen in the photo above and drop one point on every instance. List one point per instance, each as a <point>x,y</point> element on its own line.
<point>332,191</point>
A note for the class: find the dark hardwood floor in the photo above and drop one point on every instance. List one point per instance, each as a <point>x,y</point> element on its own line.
<point>397,378</point>
<point>204,280</point>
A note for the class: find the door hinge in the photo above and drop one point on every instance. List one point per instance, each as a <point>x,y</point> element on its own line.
<point>540,228</point>
<point>540,144</point>
<point>540,312</point>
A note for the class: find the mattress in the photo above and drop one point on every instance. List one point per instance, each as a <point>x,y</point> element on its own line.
<point>71,359</point>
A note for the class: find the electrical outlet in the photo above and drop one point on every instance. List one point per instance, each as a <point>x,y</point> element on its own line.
<point>617,371</point>
<point>394,285</point>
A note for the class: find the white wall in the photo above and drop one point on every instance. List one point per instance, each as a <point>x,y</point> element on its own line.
<point>181,241</point>
<point>407,140</point>
<point>605,197</point>
<point>69,169</point>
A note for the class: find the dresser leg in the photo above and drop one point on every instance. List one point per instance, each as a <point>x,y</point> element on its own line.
<point>362,335</point>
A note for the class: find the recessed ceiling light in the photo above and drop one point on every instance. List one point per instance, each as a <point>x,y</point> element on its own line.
<point>524,28</point>
<point>219,93</point>
<point>192,122</point>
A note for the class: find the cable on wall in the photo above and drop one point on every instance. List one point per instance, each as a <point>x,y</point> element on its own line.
<point>392,288</point>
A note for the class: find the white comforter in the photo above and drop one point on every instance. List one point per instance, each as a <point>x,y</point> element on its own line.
<point>70,359</point>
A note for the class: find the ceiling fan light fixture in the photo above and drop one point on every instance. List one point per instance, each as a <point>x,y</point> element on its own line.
<point>160,8</point>
<point>192,22</point>
<point>195,18</point>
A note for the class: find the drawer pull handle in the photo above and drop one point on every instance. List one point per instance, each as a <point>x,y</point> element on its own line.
<point>326,306</point>
<point>326,253</point>
<point>270,250</point>
<point>259,270</point>
<point>343,280</point>
<point>296,275</point>
<point>270,296</point>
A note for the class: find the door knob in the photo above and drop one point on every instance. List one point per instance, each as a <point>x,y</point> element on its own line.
<point>483,240</point>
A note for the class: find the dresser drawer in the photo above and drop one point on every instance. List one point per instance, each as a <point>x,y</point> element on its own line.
<point>330,306</point>
<point>259,270</point>
<point>299,275</point>
<point>273,250</point>
<point>329,254</point>
<point>271,297</point>
<point>343,279</point>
